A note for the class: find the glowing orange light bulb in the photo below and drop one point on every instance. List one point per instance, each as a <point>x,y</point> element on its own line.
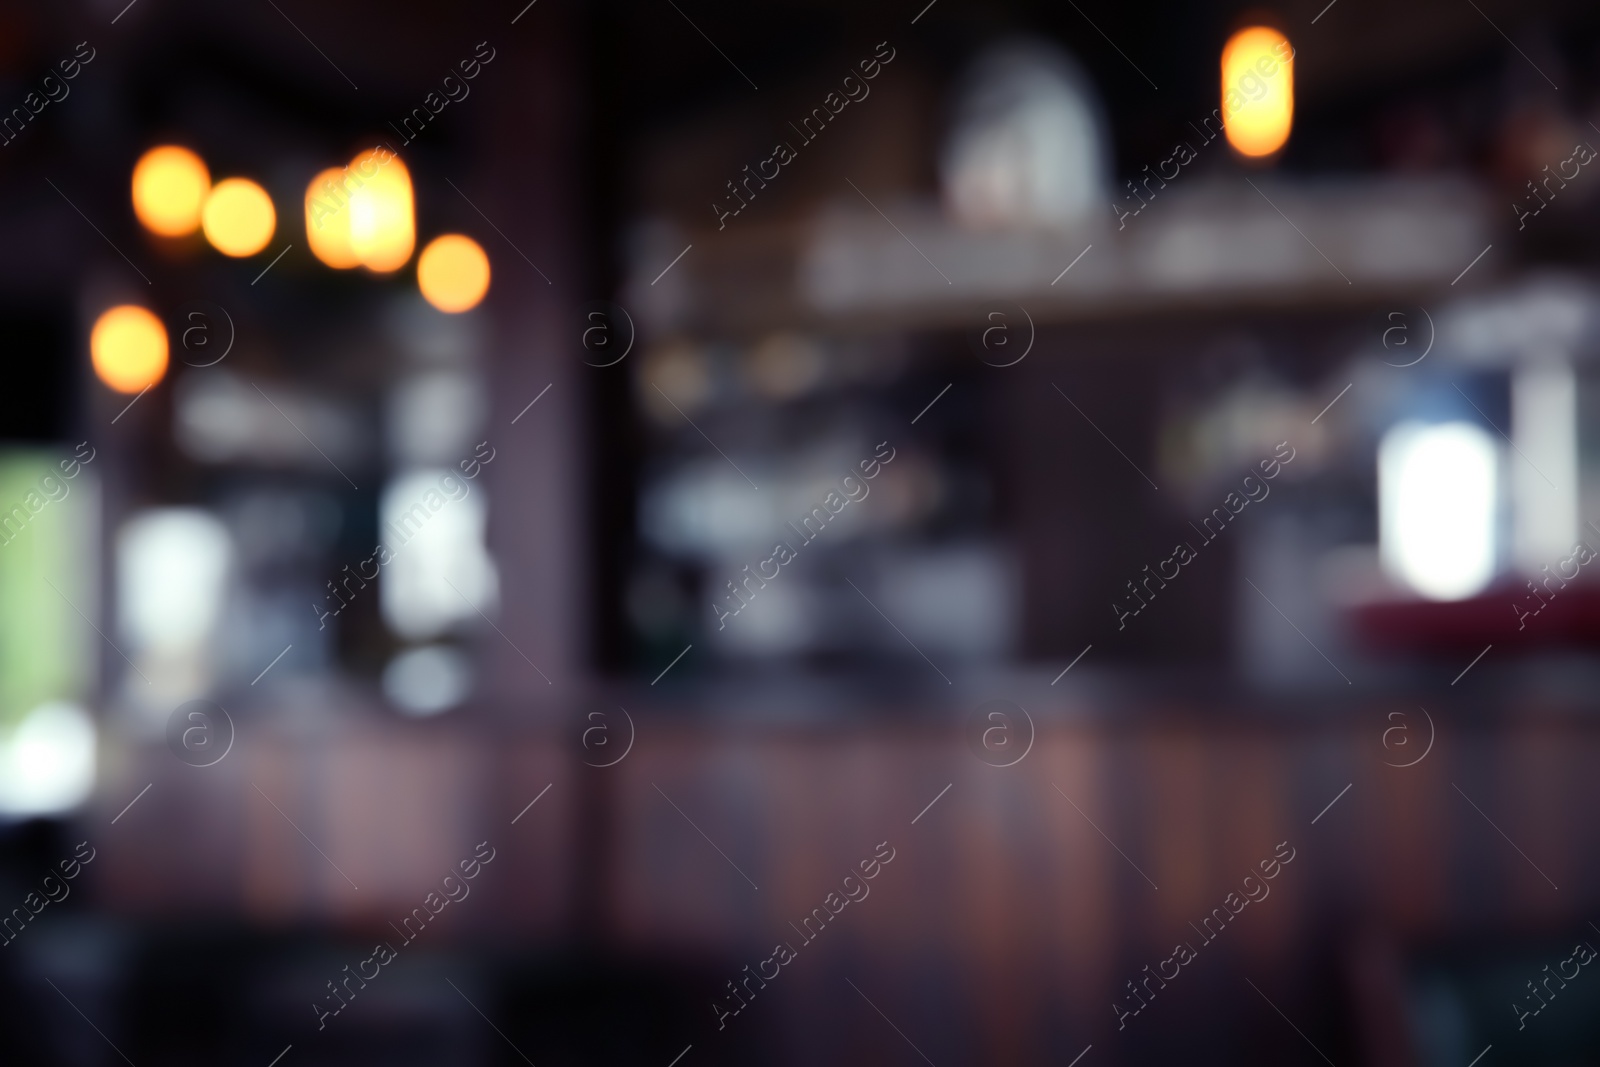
<point>169,188</point>
<point>453,273</point>
<point>238,217</point>
<point>383,226</point>
<point>128,347</point>
<point>1257,90</point>
<point>328,219</point>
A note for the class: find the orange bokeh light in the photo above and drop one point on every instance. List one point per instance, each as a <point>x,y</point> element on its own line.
<point>128,347</point>
<point>170,185</point>
<point>383,223</point>
<point>238,217</point>
<point>1257,91</point>
<point>453,273</point>
<point>328,220</point>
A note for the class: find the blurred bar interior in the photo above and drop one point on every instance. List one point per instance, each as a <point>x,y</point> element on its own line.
<point>631,469</point>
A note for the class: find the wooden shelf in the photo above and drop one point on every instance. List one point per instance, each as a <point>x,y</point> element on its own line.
<point>1216,244</point>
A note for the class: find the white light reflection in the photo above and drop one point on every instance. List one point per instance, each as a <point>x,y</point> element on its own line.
<point>1437,497</point>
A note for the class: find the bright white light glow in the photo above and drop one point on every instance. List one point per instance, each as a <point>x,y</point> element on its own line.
<point>1437,495</point>
<point>434,522</point>
<point>47,764</point>
<point>172,567</point>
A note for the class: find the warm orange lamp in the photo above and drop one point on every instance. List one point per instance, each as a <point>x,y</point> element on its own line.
<point>453,273</point>
<point>238,217</point>
<point>169,188</point>
<point>1257,91</point>
<point>128,347</point>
